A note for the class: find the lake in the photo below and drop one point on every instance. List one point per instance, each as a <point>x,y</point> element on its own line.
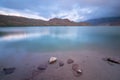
<point>25,48</point>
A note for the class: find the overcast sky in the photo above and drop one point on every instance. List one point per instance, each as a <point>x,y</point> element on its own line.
<point>75,10</point>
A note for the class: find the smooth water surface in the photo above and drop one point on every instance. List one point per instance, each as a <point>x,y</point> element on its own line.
<point>58,38</point>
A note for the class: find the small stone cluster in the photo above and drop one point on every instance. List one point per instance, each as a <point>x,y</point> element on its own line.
<point>75,67</point>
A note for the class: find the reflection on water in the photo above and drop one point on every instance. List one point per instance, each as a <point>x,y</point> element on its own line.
<point>42,38</point>
<point>64,33</point>
<point>72,33</point>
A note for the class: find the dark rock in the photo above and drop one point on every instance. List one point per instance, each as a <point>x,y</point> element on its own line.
<point>61,63</point>
<point>113,60</point>
<point>42,67</point>
<point>8,70</point>
<point>69,61</point>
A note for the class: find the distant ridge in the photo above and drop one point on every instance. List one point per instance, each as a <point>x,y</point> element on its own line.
<point>108,21</point>
<point>6,20</point>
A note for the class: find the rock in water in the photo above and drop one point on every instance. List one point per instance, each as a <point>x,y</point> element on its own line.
<point>42,67</point>
<point>61,63</point>
<point>52,60</point>
<point>8,70</point>
<point>76,68</point>
<point>69,61</point>
<point>113,60</point>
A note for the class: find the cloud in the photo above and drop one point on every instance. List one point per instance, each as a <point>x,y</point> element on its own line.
<point>72,15</point>
<point>24,13</point>
<point>90,2</point>
<point>75,14</point>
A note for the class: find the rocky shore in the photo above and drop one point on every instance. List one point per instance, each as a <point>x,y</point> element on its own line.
<point>75,68</point>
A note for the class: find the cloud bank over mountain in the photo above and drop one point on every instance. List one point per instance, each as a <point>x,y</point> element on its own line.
<point>75,10</point>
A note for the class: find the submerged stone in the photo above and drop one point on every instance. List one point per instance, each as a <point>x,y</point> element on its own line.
<point>61,63</point>
<point>113,60</point>
<point>42,67</point>
<point>76,68</point>
<point>69,61</point>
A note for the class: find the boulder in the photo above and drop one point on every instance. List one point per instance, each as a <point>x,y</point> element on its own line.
<point>69,61</point>
<point>8,70</point>
<point>52,60</point>
<point>61,63</point>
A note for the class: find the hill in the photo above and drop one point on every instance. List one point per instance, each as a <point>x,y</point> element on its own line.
<point>22,21</point>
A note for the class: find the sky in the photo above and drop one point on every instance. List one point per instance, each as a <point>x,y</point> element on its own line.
<point>75,10</point>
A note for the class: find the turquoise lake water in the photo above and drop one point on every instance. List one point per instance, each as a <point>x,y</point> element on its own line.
<point>58,38</point>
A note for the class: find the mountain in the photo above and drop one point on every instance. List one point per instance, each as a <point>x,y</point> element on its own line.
<point>57,21</point>
<point>6,20</point>
<point>66,22</point>
<point>108,21</point>
<point>19,21</point>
